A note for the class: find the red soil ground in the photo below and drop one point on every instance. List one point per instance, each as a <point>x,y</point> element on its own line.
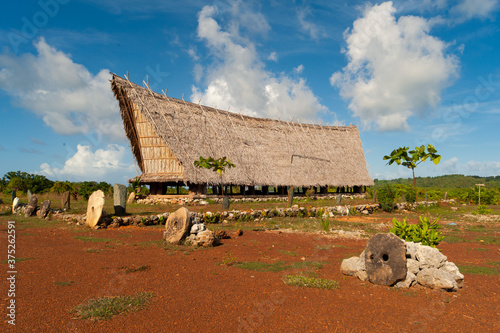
<point>194,292</point>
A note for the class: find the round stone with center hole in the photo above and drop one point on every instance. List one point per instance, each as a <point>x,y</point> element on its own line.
<point>385,259</point>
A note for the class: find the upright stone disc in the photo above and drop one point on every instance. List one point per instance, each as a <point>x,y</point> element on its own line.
<point>385,259</point>
<point>44,210</point>
<point>30,209</point>
<point>15,204</point>
<point>94,208</point>
<point>66,200</point>
<point>177,226</point>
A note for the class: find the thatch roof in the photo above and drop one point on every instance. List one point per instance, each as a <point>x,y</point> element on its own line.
<point>167,135</point>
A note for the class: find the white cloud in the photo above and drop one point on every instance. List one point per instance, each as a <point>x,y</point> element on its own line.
<point>470,9</point>
<point>193,53</point>
<point>299,69</point>
<point>246,18</point>
<point>198,72</point>
<point>308,27</point>
<point>396,69</point>
<point>449,166</point>
<point>273,56</point>
<point>237,77</point>
<point>113,162</point>
<point>488,168</point>
<point>65,94</point>
<point>454,166</point>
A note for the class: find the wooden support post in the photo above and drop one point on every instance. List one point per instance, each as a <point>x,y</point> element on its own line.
<point>265,190</point>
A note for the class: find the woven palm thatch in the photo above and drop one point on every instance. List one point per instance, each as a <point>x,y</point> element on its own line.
<point>167,135</point>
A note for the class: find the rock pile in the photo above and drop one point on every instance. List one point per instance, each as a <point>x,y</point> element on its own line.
<point>422,265</point>
<point>181,225</point>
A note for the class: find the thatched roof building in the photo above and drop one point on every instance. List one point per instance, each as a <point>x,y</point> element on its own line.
<point>167,135</point>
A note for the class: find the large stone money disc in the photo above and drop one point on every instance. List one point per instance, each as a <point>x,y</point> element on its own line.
<point>177,226</point>
<point>385,259</point>
<point>94,208</point>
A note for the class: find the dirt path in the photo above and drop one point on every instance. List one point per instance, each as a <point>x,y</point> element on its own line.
<point>198,290</point>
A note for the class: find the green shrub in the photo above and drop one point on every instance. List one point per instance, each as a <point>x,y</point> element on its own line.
<point>211,218</point>
<point>410,196</point>
<point>482,210</point>
<point>369,192</point>
<point>425,232</point>
<point>325,223</point>
<point>310,192</point>
<point>385,196</point>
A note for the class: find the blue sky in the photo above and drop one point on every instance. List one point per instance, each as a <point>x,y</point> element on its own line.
<point>406,73</point>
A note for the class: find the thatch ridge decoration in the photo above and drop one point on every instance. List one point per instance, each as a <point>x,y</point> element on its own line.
<point>167,135</point>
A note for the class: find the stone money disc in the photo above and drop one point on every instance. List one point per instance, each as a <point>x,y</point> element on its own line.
<point>94,208</point>
<point>177,226</point>
<point>385,259</point>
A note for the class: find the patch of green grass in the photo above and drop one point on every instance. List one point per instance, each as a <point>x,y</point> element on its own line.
<point>17,259</point>
<point>277,266</point>
<point>481,270</point>
<point>487,239</point>
<point>482,249</point>
<point>228,260</point>
<point>310,282</point>
<point>476,228</point>
<point>107,307</point>
<point>138,269</point>
<point>288,253</point>
<point>63,283</point>
<point>93,239</point>
<point>453,239</point>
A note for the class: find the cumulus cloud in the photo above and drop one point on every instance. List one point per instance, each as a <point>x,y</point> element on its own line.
<point>237,78</point>
<point>299,69</point>
<point>470,9</point>
<point>487,168</point>
<point>65,94</point>
<point>97,165</point>
<point>396,69</point>
<point>453,165</point>
<point>273,56</point>
<point>307,26</point>
<point>449,166</point>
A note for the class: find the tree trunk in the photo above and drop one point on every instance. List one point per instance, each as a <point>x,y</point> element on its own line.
<point>415,187</point>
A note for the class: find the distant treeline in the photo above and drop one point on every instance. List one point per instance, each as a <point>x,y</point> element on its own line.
<point>444,182</point>
<point>459,187</point>
<point>23,181</point>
